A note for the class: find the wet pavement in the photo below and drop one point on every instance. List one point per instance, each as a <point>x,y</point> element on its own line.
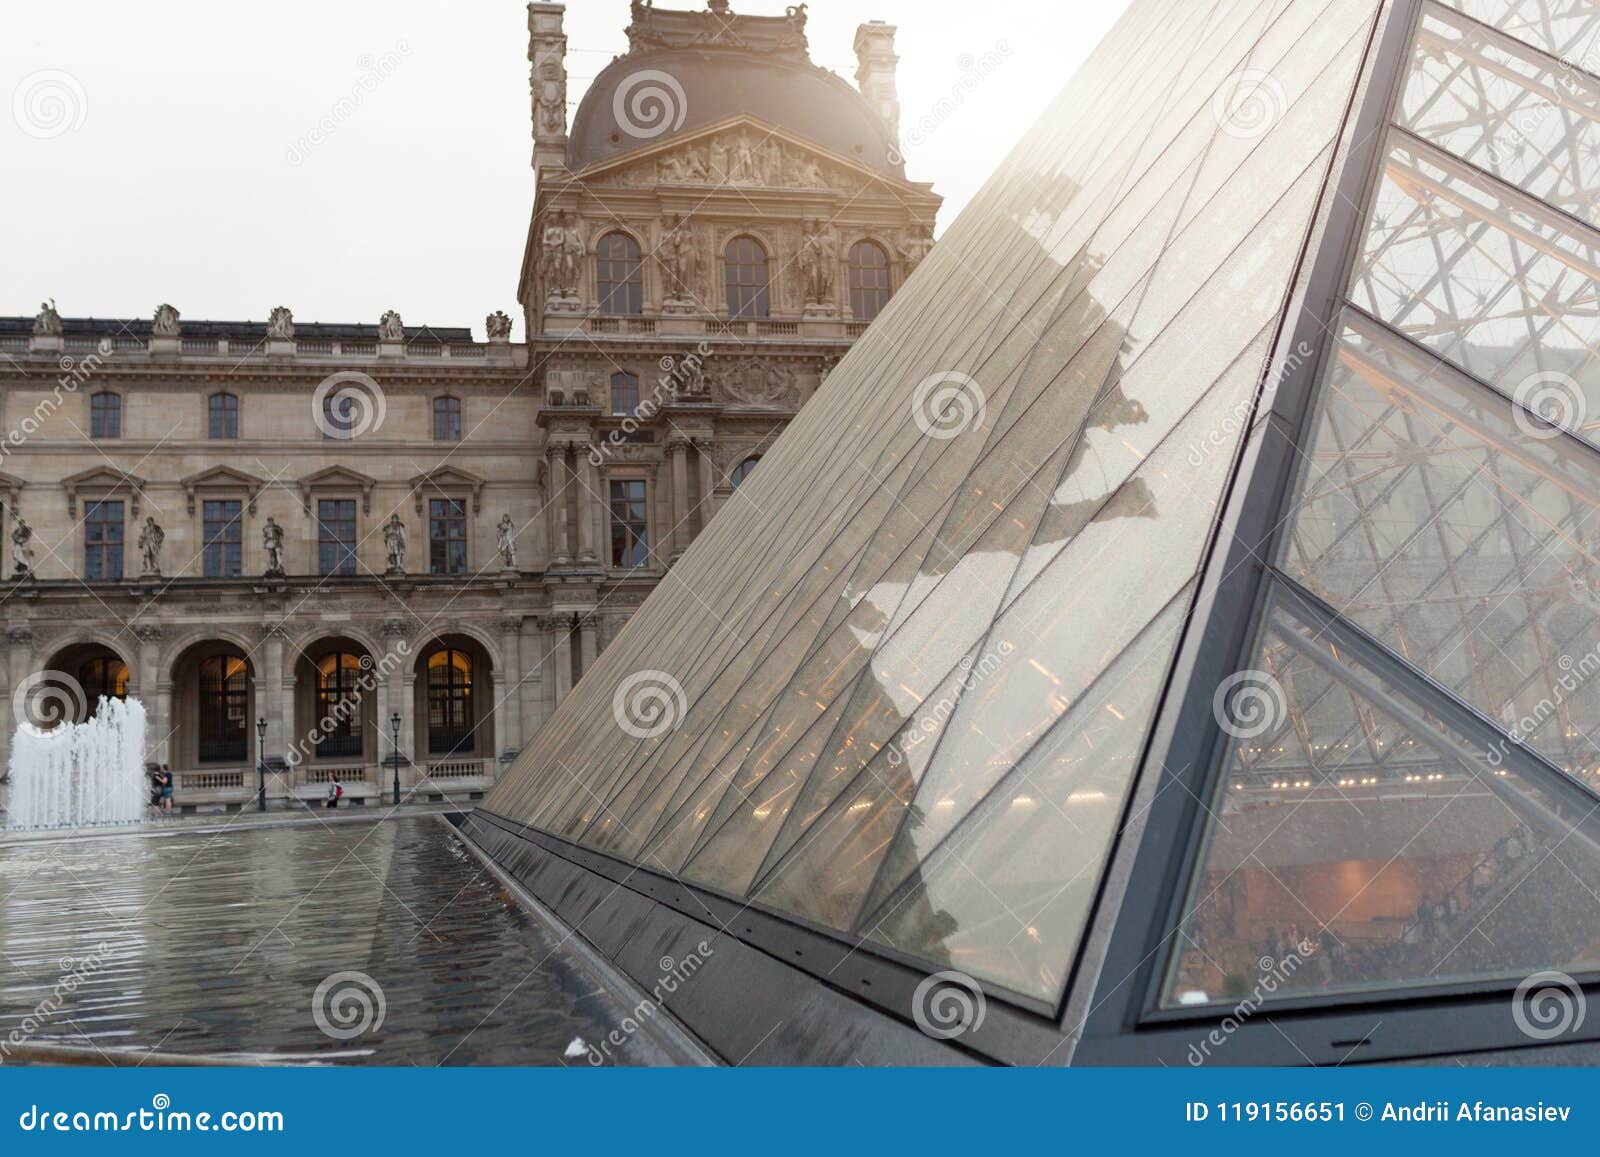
<point>286,943</point>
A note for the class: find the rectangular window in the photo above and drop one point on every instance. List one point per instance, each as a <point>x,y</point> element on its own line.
<point>624,395</point>
<point>222,414</point>
<point>102,537</point>
<point>336,536</point>
<point>630,526</point>
<point>447,536</point>
<point>105,416</point>
<point>224,539</point>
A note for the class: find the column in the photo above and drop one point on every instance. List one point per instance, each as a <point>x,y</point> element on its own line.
<point>508,688</point>
<point>588,644</point>
<point>560,629</point>
<point>531,693</point>
<point>677,452</point>
<point>270,681</point>
<point>708,482</point>
<point>147,686</point>
<point>20,666</point>
<point>559,500</point>
<point>588,487</point>
<point>396,699</point>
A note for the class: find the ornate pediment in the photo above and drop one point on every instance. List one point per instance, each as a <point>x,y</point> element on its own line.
<point>447,482</point>
<point>220,478</point>
<point>742,152</point>
<point>754,382</point>
<point>337,478</point>
<point>103,481</point>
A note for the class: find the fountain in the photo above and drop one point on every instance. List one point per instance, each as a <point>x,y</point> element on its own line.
<point>80,774</point>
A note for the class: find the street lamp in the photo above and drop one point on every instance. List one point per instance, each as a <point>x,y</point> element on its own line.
<point>261,763</point>
<point>394,724</point>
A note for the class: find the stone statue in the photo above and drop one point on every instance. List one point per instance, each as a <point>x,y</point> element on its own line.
<point>744,169</point>
<point>272,542</point>
<point>498,326</point>
<point>47,323</point>
<point>572,255</point>
<point>166,322</point>
<point>150,540</point>
<point>22,549</point>
<point>818,258</point>
<point>394,541</point>
<point>390,327</point>
<point>719,160</point>
<point>561,255</point>
<point>506,542</point>
<point>280,324</point>
<point>918,241</point>
<point>678,258</point>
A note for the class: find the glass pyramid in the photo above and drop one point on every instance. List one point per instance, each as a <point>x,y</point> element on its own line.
<point>917,669</point>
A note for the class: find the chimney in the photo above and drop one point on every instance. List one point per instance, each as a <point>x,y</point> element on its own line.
<point>875,61</point>
<point>547,52</point>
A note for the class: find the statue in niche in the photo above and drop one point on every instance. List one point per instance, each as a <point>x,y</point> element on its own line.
<point>272,543</point>
<point>150,540</point>
<point>47,322</point>
<point>678,258</point>
<point>280,324</point>
<point>498,326</point>
<point>166,322</point>
<point>561,255</point>
<point>817,261</point>
<point>394,543</point>
<point>390,327</point>
<point>915,245</point>
<point>506,542</point>
<point>22,549</point>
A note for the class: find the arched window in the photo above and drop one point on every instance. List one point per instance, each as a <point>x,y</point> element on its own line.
<point>743,471</point>
<point>105,415</point>
<point>450,723</point>
<point>103,677</point>
<point>619,276</point>
<point>447,419</point>
<point>624,394</point>
<point>869,280</point>
<point>338,705</point>
<point>224,708</point>
<point>222,416</point>
<point>745,272</point>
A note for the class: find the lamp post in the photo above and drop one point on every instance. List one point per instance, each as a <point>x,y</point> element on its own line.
<point>261,763</point>
<point>394,724</point>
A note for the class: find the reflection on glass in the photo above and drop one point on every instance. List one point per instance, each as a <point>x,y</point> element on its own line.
<point>1355,844</point>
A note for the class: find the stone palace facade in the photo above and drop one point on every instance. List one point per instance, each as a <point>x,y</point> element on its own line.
<point>320,551</point>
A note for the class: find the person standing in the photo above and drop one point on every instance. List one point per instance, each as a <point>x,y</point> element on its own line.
<point>335,790</point>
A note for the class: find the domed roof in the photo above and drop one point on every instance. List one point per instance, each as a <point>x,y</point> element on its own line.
<point>646,97</point>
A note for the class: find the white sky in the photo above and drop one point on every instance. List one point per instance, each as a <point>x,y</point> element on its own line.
<point>170,178</point>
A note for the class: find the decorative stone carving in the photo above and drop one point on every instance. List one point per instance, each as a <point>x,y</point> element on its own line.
<point>47,322</point>
<point>550,98</point>
<point>498,326</point>
<point>914,245</point>
<point>280,324</point>
<point>166,322</point>
<point>395,629</point>
<point>506,542</point>
<point>394,542</point>
<point>680,260</point>
<point>22,548</point>
<point>20,636</point>
<point>561,254</point>
<point>743,167</point>
<point>819,261</point>
<point>150,541</point>
<point>390,327</point>
<point>272,543</point>
<point>753,382</point>
<point>148,632</point>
